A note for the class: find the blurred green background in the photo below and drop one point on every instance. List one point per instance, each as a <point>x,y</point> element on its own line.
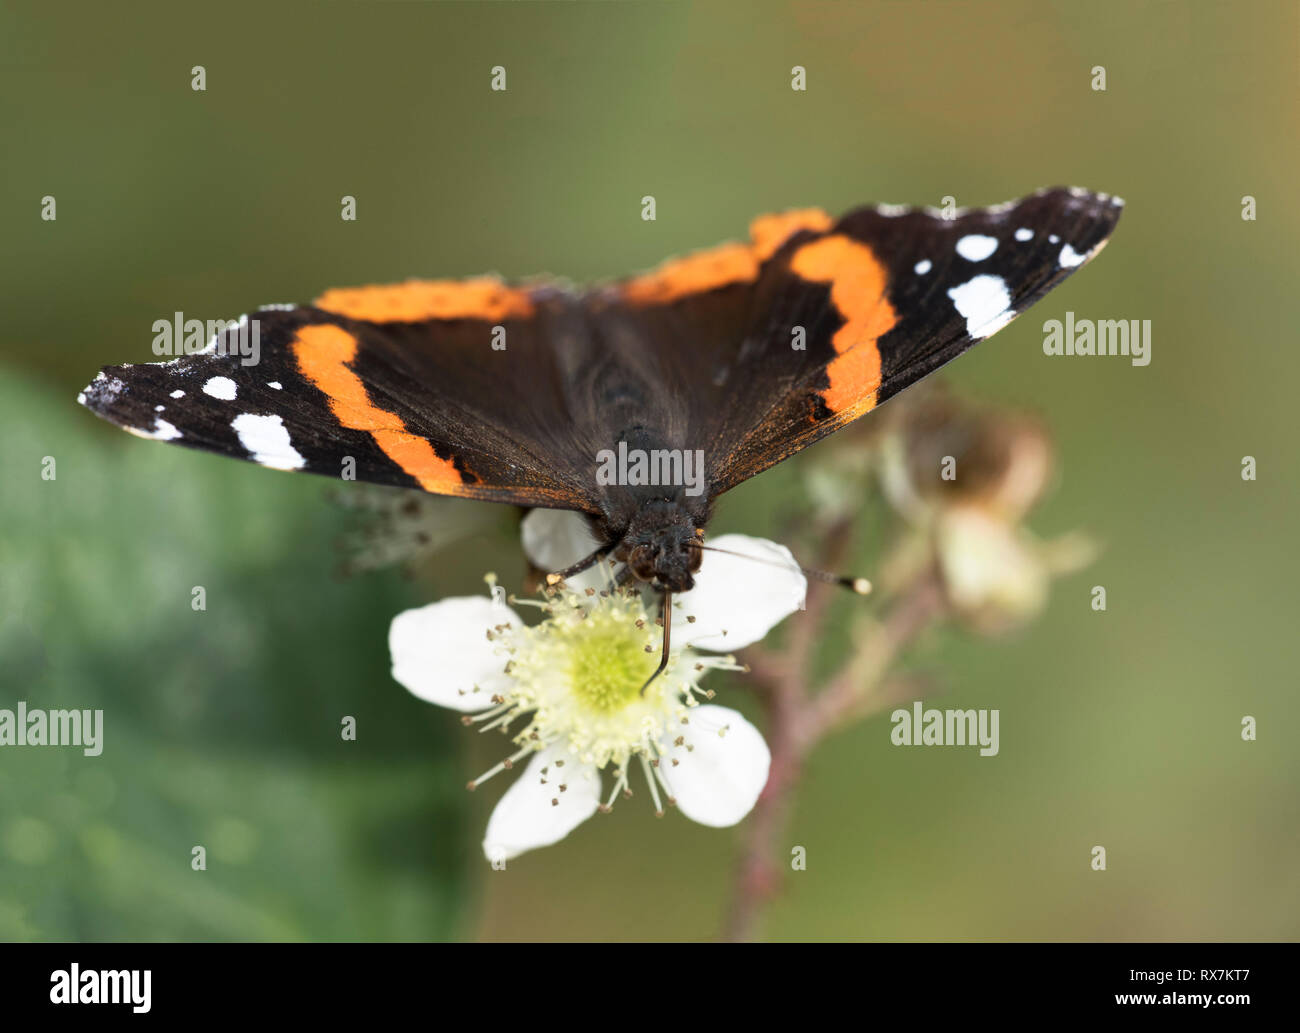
<point>1119,729</point>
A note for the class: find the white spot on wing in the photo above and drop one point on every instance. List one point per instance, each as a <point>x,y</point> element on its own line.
<point>178,393</point>
<point>162,431</point>
<point>975,247</point>
<point>1070,258</point>
<point>985,303</point>
<point>222,388</point>
<point>275,384</point>
<point>1024,234</point>
<point>267,440</point>
<point>922,267</point>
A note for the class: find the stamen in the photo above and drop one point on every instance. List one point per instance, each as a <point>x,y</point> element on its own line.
<point>504,719</point>
<point>620,782</point>
<point>484,715</point>
<point>500,767</point>
<point>668,793</point>
<point>654,788</point>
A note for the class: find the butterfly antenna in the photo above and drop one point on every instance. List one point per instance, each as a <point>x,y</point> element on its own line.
<point>858,585</point>
<point>668,627</point>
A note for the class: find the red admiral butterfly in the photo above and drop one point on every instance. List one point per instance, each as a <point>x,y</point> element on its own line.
<point>746,353</point>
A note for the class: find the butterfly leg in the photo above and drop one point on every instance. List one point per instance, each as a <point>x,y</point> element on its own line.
<point>583,564</point>
<point>668,627</point>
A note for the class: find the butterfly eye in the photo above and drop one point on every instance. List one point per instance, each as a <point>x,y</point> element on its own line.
<point>641,562</point>
<point>696,555</point>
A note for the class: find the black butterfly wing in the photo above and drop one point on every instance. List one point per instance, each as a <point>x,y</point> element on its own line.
<point>747,352</point>
<point>456,387</point>
<point>845,318</point>
<point>687,356</point>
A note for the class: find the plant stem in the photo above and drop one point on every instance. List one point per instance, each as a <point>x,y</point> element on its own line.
<point>797,721</point>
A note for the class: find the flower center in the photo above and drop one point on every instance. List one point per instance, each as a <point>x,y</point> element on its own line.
<point>610,665</point>
<point>576,680</point>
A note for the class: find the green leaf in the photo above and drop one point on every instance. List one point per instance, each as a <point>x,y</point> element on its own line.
<point>221,726</point>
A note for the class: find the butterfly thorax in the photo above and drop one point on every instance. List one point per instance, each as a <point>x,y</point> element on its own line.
<point>662,543</point>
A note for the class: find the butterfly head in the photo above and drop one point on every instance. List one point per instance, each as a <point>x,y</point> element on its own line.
<point>662,546</point>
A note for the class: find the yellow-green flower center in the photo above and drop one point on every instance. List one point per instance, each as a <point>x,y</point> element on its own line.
<point>575,680</point>
<point>609,667</point>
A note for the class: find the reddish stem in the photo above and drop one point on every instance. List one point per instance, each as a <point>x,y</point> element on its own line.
<point>797,721</point>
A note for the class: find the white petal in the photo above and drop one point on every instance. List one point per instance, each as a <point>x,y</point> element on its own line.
<point>746,597</point>
<point>717,783</point>
<point>558,538</point>
<point>535,811</point>
<point>442,654</point>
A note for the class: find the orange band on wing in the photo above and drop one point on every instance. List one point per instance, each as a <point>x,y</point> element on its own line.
<point>418,300</point>
<point>702,271</point>
<point>724,265</point>
<point>857,280</point>
<point>768,232</point>
<point>323,354</point>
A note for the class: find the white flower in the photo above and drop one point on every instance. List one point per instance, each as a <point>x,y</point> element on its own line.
<point>568,691</point>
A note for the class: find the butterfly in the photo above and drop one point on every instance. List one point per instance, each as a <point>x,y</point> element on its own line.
<point>637,402</point>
